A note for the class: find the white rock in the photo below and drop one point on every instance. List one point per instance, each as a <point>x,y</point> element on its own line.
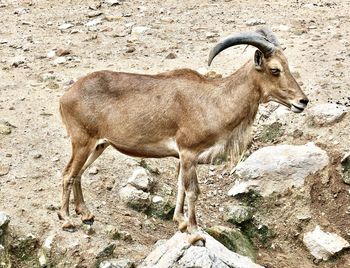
<point>323,245</point>
<point>139,30</point>
<point>326,114</point>
<point>277,168</point>
<point>177,252</point>
<point>59,60</point>
<point>65,26</point>
<point>253,22</point>
<point>157,199</point>
<point>117,263</point>
<point>51,54</point>
<point>141,179</point>
<point>93,22</point>
<point>134,198</point>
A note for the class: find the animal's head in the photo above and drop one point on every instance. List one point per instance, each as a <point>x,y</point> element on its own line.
<point>271,66</point>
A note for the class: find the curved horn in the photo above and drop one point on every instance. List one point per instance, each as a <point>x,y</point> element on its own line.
<point>269,35</point>
<point>249,38</point>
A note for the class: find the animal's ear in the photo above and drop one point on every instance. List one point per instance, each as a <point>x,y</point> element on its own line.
<point>258,59</point>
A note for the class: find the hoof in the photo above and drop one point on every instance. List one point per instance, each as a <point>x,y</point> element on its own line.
<point>88,221</point>
<point>68,226</point>
<point>182,226</point>
<point>197,240</point>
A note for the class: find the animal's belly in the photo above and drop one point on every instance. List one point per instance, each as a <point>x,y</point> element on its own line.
<point>164,148</point>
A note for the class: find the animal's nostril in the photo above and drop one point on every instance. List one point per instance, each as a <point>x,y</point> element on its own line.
<point>304,101</point>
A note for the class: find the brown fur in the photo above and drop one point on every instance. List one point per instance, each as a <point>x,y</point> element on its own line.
<point>178,113</point>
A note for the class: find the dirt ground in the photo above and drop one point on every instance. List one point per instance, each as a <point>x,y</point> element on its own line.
<point>316,36</point>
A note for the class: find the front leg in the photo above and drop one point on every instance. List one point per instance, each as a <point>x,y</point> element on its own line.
<point>189,175</point>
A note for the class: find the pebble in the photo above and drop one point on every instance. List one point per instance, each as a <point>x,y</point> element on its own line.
<point>254,22</point>
<point>65,26</point>
<point>95,13</point>
<point>140,30</point>
<point>59,60</point>
<point>94,22</point>
<point>5,128</point>
<point>171,56</point>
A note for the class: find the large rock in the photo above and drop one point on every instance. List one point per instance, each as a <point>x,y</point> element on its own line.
<point>141,179</point>
<point>134,198</point>
<point>326,114</point>
<point>277,168</point>
<point>323,245</point>
<point>177,252</point>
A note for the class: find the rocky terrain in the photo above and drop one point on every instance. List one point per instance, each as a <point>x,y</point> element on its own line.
<point>294,213</point>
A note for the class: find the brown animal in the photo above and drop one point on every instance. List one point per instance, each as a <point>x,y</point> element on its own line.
<point>178,113</point>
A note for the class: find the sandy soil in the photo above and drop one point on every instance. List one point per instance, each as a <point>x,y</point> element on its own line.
<point>316,35</point>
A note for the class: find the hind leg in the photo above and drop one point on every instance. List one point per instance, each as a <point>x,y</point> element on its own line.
<point>81,150</point>
<point>179,209</point>
<point>80,207</point>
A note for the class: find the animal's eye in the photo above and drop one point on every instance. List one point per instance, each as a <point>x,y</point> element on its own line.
<point>275,71</point>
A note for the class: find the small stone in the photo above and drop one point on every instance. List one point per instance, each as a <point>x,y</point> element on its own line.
<point>93,170</point>
<point>113,2</point>
<point>171,56</point>
<point>117,263</point>
<point>51,54</point>
<point>65,26</point>
<point>140,30</point>
<point>141,179</point>
<point>5,128</point>
<point>36,155</point>
<point>63,52</point>
<point>239,214</point>
<point>59,60</point>
<point>4,169</point>
<point>94,13</point>
<point>106,251</point>
<point>130,49</point>
<point>94,22</point>
<point>322,245</point>
<point>254,22</point>
<point>157,199</point>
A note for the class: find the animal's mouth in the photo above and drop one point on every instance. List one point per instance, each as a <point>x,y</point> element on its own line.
<point>296,108</point>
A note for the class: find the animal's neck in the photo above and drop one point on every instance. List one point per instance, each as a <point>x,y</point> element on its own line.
<point>242,107</point>
<point>242,97</point>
